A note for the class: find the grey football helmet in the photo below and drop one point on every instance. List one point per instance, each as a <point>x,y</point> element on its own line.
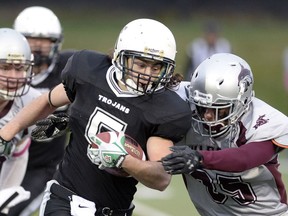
<point>15,55</point>
<point>222,83</point>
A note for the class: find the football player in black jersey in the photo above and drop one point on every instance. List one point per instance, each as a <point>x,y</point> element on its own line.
<point>43,31</point>
<point>126,94</point>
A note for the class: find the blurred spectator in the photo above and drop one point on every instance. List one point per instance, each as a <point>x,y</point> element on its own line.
<point>201,48</point>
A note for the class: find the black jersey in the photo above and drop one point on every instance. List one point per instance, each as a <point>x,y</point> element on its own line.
<point>99,105</point>
<point>49,153</point>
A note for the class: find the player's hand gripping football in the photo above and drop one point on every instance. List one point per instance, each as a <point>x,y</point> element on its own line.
<point>183,160</point>
<point>108,155</point>
<point>53,126</point>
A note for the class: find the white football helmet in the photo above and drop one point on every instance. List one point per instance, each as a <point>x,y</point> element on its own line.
<point>144,39</point>
<point>15,51</point>
<point>222,81</point>
<point>41,22</point>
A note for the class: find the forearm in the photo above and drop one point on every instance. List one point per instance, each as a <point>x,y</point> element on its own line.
<point>149,173</point>
<point>37,109</point>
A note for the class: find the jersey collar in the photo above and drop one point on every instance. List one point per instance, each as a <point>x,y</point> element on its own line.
<point>112,82</point>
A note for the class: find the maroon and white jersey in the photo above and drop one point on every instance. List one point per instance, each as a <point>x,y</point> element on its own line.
<point>254,191</point>
<point>13,107</point>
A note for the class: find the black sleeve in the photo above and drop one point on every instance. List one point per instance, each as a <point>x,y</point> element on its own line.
<point>174,120</point>
<point>176,128</point>
<point>68,75</point>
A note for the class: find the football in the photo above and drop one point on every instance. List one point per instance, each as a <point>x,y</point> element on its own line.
<point>132,147</point>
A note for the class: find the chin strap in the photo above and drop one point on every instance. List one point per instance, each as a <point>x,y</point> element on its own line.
<point>131,86</point>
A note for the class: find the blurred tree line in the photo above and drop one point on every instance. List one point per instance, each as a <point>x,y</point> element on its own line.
<point>178,8</point>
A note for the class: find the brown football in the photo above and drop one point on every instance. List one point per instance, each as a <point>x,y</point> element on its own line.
<point>132,147</point>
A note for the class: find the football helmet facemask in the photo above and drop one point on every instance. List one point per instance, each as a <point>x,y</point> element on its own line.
<point>150,42</point>
<point>222,85</point>
<point>41,23</point>
<point>15,55</point>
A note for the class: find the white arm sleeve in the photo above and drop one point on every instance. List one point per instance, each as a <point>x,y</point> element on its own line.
<point>14,168</point>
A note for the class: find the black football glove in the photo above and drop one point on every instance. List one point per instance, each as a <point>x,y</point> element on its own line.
<point>53,126</point>
<point>183,160</point>
<point>6,147</point>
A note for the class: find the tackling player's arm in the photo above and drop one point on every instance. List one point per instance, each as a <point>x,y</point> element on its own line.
<point>37,109</point>
<point>185,160</point>
<point>239,159</point>
<point>151,172</point>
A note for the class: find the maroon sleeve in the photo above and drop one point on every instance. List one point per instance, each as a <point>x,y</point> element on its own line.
<point>239,159</point>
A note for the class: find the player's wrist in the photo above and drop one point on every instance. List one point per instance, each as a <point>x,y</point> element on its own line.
<point>4,136</point>
<point>127,159</point>
<point>120,161</point>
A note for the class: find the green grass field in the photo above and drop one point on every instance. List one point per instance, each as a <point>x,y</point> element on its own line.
<point>260,40</point>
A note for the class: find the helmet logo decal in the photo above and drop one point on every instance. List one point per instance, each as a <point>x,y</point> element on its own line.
<point>244,81</point>
<point>154,51</point>
<point>260,121</point>
<point>16,56</point>
<point>245,75</point>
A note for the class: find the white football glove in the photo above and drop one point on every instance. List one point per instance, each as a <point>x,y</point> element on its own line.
<point>93,155</point>
<point>110,154</point>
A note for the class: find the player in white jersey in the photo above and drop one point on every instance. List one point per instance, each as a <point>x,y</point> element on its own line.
<point>15,76</point>
<point>201,48</point>
<point>229,158</point>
